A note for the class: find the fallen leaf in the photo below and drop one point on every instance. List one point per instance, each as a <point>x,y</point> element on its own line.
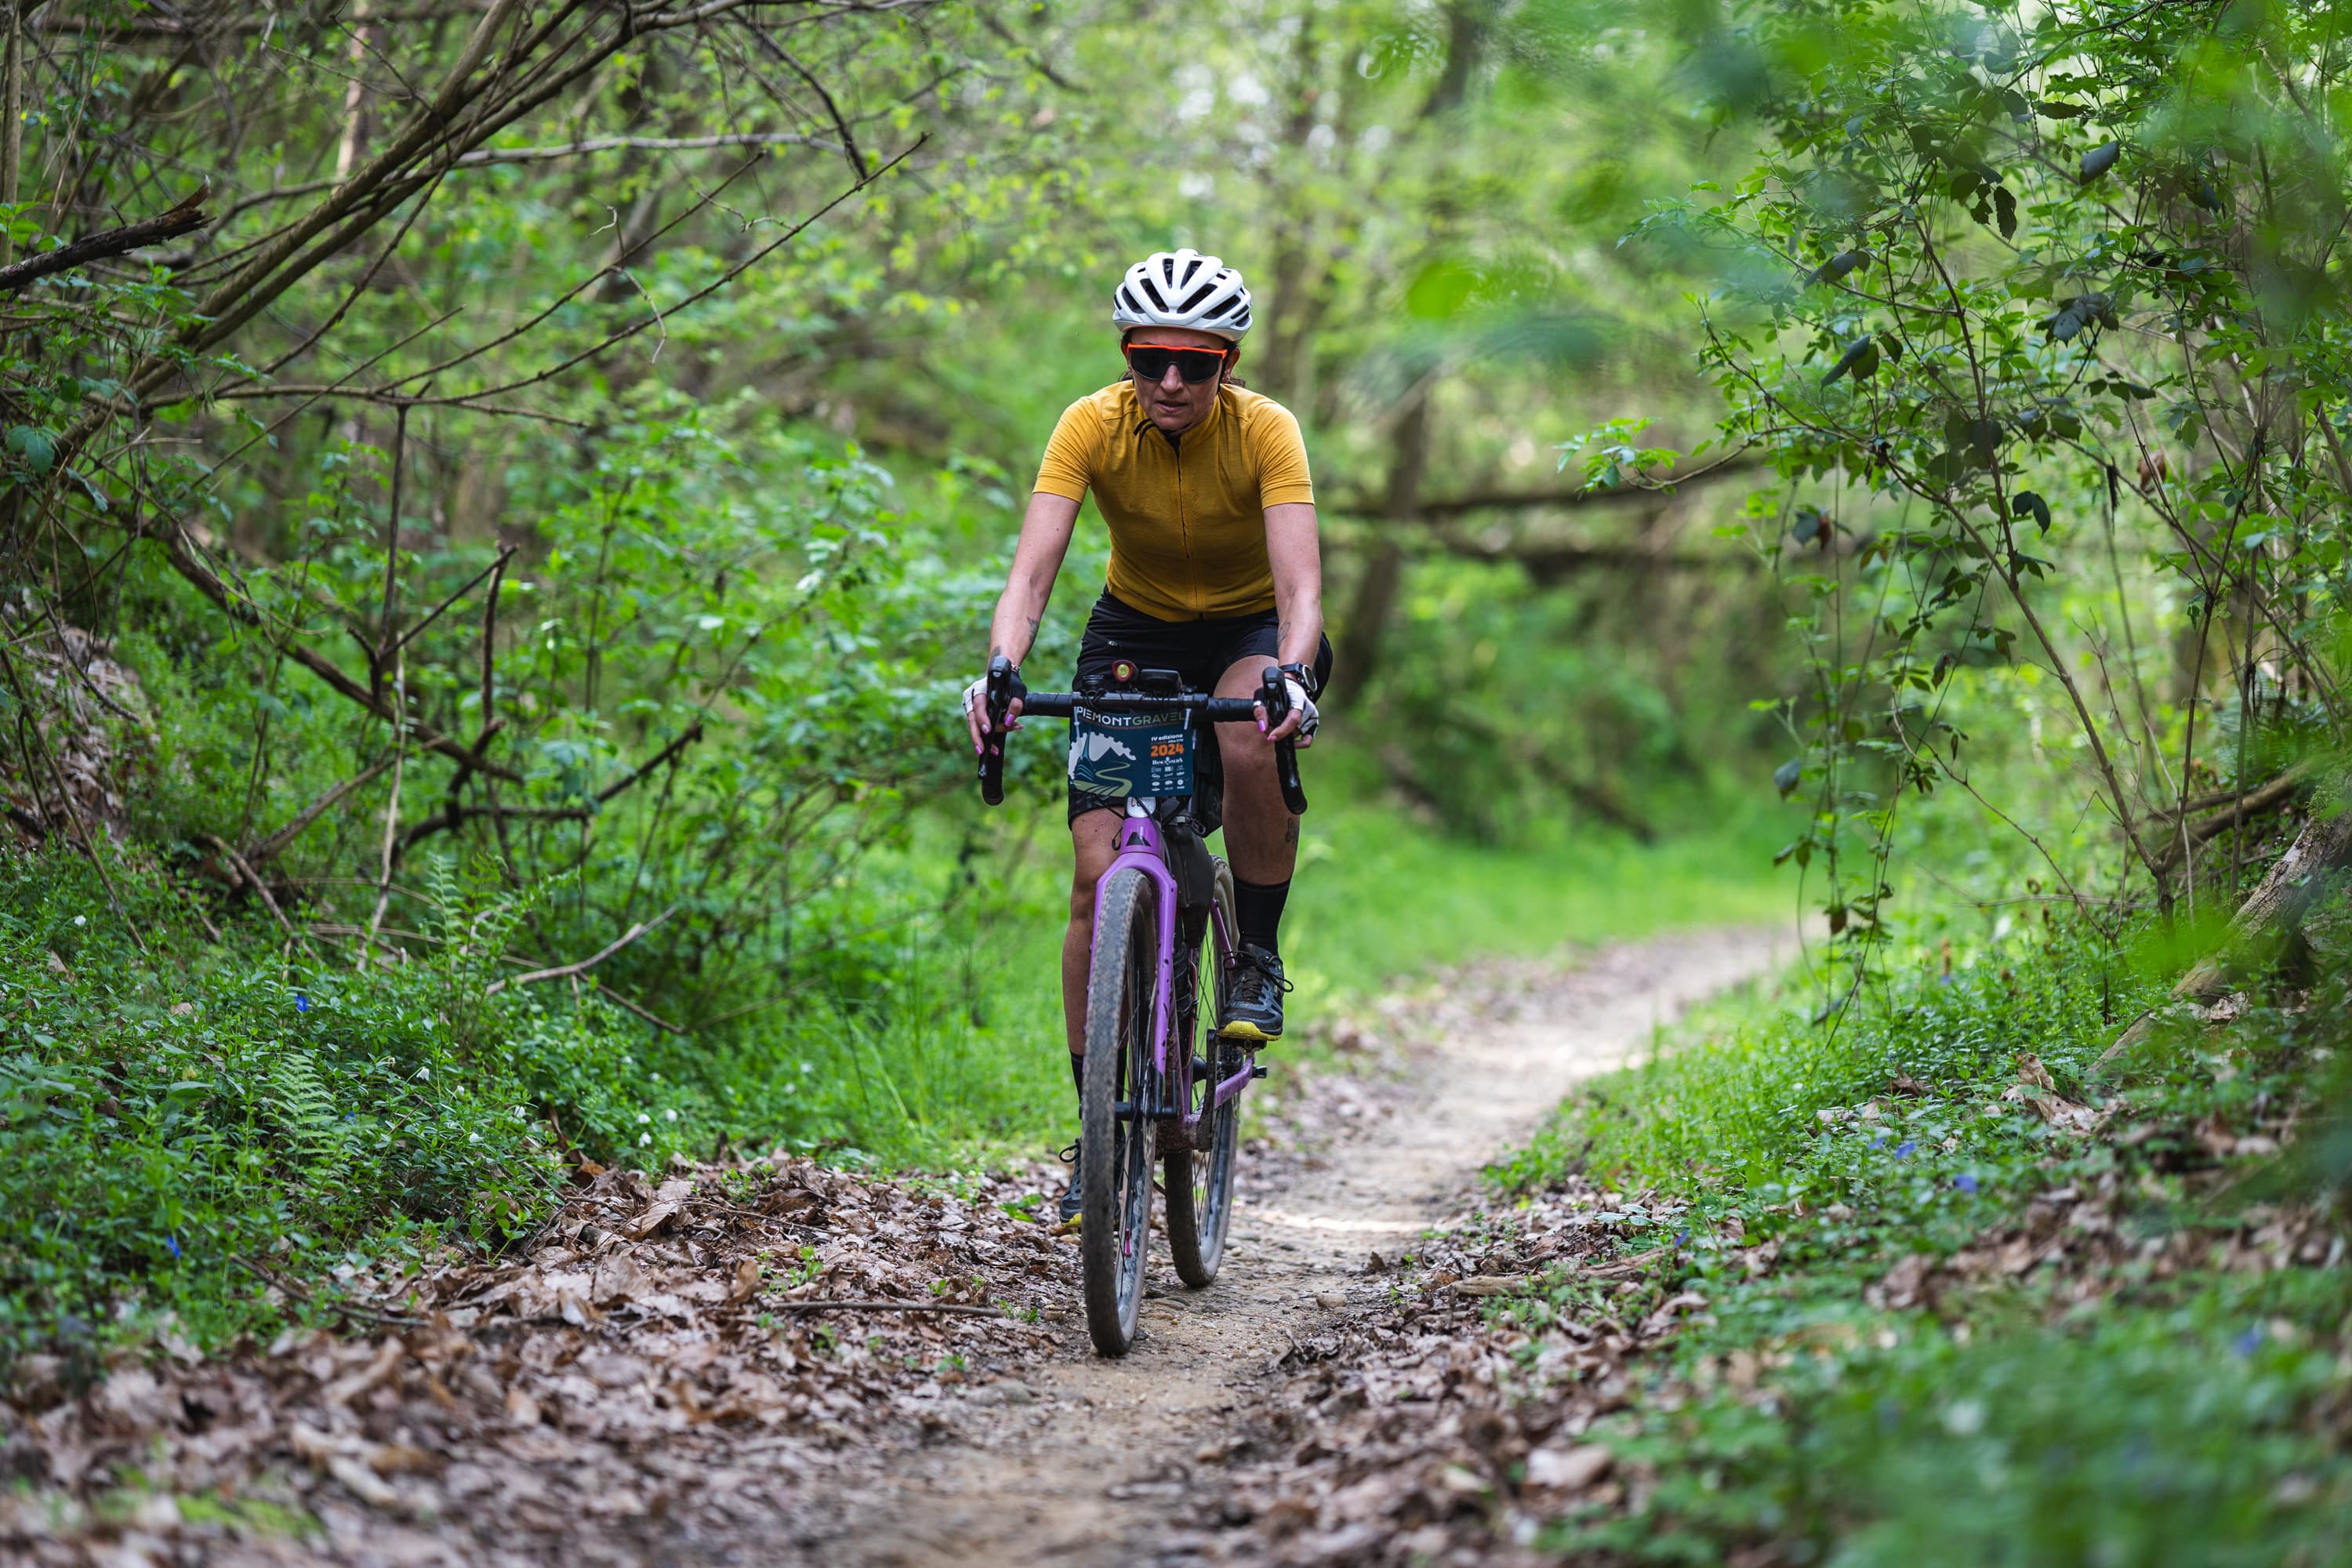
<point>1568,1469</point>
<point>388,1357</point>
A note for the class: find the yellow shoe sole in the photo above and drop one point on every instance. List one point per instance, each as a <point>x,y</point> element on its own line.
<point>1242,1030</point>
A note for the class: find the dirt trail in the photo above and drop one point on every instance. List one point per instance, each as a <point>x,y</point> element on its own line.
<point>1080,1461</point>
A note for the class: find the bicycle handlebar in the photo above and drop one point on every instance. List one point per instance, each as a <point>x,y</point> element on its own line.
<point>1216,709</point>
<point>1004,685</point>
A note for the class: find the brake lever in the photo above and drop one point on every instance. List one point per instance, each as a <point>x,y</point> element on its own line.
<point>1274,694</point>
<point>1003,686</point>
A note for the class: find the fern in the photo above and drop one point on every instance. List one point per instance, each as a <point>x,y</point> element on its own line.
<point>303,1110</point>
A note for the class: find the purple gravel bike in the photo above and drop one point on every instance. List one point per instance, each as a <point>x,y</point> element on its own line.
<point>1159,1084</point>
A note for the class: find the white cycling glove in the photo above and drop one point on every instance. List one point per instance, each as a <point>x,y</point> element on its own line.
<point>1304,706</point>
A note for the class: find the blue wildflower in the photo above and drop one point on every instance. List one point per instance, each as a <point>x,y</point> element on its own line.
<point>174,1243</point>
<point>301,1003</point>
<point>1905,1149</point>
<point>2250,1341</point>
<point>1684,1239</point>
<point>1879,1141</point>
<point>1965,1181</point>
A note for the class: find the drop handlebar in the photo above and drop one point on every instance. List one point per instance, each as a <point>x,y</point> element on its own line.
<point>1004,685</point>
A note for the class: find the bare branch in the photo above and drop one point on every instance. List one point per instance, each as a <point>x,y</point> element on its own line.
<point>189,214</point>
<point>261,852</point>
<point>565,971</point>
<point>485,155</point>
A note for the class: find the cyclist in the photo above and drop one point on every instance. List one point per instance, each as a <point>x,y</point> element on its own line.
<point>1215,571</point>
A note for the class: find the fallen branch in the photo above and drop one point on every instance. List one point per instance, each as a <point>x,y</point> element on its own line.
<point>823,1305</point>
<point>302,1294</point>
<point>189,214</point>
<point>1441,507</point>
<point>262,852</point>
<point>625,1006</point>
<point>237,863</point>
<point>2254,803</point>
<point>2279,902</point>
<point>565,971</point>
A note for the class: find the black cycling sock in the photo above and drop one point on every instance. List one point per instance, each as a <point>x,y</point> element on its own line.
<point>1078,1074</point>
<point>1257,909</point>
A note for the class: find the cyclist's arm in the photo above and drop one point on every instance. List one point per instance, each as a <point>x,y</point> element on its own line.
<point>1294,551</point>
<point>1045,530</point>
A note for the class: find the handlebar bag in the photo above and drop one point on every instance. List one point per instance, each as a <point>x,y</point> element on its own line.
<point>1147,753</point>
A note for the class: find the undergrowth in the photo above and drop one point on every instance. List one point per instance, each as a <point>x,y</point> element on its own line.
<point>184,1121</point>
<point>1940,1325</point>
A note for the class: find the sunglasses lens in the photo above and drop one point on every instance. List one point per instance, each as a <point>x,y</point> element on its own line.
<point>1194,365</point>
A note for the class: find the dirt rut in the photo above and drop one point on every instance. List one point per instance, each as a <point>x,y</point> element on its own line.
<point>1081,1460</point>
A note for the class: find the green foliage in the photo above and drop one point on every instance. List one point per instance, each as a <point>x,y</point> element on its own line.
<point>2149,1436</point>
<point>2138,1397</point>
<point>2011,298</point>
<point>164,1129</point>
<point>1737,1107</point>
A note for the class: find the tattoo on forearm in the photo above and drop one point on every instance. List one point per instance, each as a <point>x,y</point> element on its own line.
<point>1290,833</point>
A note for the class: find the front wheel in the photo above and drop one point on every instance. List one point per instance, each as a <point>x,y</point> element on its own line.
<point>1200,1182</point>
<point>1114,1156</point>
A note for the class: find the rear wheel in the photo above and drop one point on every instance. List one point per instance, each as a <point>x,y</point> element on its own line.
<point>1115,1158</point>
<point>1200,1182</point>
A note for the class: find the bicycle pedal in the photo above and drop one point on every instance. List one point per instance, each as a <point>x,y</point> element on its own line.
<point>1257,1070</point>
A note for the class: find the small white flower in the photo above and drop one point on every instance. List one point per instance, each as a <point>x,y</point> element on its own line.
<point>645,1140</point>
<point>424,1072</point>
<point>642,1119</point>
<point>81,919</point>
<point>671,1114</point>
<point>473,1137</point>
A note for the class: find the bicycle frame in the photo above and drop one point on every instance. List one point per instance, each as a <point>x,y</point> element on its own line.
<point>1142,847</point>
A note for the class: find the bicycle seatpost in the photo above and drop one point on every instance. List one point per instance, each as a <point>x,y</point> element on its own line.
<point>1273,692</point>
<point>1003,686</point>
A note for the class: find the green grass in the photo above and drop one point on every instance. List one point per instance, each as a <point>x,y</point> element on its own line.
<point>1378,896</point>
<point>2108,1412</point>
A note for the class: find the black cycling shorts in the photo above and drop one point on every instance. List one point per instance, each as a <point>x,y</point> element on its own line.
<point>1199,651</point>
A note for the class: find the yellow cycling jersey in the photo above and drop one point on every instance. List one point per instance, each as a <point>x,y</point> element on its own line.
<point>1187,520</point>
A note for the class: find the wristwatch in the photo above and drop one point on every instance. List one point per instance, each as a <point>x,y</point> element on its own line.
<point>1305,679</point>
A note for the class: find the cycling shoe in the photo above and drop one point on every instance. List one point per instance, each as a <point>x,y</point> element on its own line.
<point>1068,1207</point>
<point>1252,1009</point>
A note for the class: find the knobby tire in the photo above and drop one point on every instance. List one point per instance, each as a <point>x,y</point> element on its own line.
<point>1114,1156</point>
<point>1200,1183</point>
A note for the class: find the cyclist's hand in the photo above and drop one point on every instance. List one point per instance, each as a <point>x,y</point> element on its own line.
<point>1300,723</point>
<point>975,712</point>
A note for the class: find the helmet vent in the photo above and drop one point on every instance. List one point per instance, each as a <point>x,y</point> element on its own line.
<point>1210,297</point>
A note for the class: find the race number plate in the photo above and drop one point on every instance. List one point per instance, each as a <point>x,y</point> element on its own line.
<point>1123,754</point>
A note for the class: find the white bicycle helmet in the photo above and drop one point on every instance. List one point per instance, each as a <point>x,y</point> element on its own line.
<point>1183,289</point>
